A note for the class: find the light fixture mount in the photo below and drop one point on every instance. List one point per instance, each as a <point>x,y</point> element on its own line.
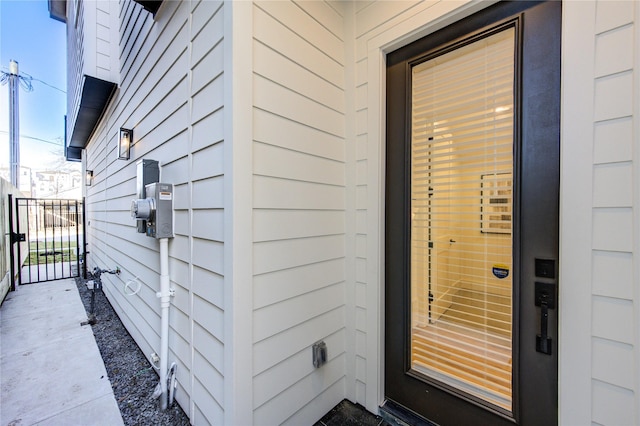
<point>124,143</point>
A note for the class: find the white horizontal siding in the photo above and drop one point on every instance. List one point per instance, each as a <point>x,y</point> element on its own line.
<point>272,225</point>
<point>276,286</point>
<point>298,47</point>
<point>207,193</point>
<point>206,409</point>
<point>208,130</point>
<point>612,362</point>
<point>613,274</point>
<point>207,29</point>
<point>612,405</point>
<point>614,330</point>
<point>277,255</point>
<point>207,178</point>
<point>269,321</point>
<point>304,394</point>
<point>299,21</point>
<point>92,38</point>
<point>210,223</point>
<point>283,101</point>
<point>106,33</point>
<point>208,286</point>
<point>280,377</point>
<point>328,14</point>
<point>607,345</point>
<point>210,65</point>
<point>268,161</point>
<point>171,94</point>
<point>276,193</point>
<point>273,66</point>
<point>612,141</point>
<point>299,203</point>
<point>282,346</point>
<point>280,131</point>
<point>75,62</point>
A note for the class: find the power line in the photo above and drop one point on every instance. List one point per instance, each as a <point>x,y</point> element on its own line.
<point>27,78</point>
<point>47,84</point>
<point>34,138</point>
<point>25,82</point>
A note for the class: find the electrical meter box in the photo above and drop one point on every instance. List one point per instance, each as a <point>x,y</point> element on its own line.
<point>156,210</point>
<point>147,172</point>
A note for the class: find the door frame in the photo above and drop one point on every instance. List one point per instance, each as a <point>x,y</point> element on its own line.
<point>526,272</point>
<point>406,27</point>
<point>416,23</point>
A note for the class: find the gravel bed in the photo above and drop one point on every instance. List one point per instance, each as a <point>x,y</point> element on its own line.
<point>132,377</point>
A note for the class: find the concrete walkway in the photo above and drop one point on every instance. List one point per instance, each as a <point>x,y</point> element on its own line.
<point>51,372</point>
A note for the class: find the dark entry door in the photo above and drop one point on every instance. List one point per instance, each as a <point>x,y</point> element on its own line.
<point>472,184</point>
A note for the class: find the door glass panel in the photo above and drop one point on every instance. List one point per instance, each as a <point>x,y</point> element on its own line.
<point>461,218</point>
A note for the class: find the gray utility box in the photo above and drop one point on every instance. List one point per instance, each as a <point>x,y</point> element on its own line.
<point>161,223</point>
<point>147,172</point>
<point>156,210</point>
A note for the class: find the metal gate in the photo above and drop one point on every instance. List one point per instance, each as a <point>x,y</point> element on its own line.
<point>47,239</point>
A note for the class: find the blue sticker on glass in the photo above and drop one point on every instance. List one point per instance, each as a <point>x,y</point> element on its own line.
<point>500,271</point>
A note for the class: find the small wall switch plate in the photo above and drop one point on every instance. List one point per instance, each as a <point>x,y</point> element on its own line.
<point>319,354</point>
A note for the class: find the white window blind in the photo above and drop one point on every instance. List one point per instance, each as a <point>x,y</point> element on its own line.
<point>461,217</point>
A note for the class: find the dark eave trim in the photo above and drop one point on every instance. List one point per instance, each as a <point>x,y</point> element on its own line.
<point>58,10</point>
<point>151,6</point>
<point>95,97</point>
<point>73,154</point>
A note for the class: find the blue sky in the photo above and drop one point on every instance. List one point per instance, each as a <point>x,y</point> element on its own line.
<point>29,36</point>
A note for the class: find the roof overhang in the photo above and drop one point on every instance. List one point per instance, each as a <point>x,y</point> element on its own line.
<point>95,97</point>
<point>58,10</point>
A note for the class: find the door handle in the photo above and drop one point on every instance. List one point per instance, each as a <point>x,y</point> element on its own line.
<point>545,297</point>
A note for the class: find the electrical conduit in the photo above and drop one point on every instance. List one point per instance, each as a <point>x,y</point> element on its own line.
<point>165,301</point>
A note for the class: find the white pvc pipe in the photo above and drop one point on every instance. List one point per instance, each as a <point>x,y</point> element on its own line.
<point>165,301</point>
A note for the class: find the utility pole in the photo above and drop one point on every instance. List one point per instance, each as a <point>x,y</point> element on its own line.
<point>14,124</point>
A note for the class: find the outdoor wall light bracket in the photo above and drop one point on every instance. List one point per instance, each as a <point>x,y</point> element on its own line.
<point>124,143</point>
<point>88,177</point>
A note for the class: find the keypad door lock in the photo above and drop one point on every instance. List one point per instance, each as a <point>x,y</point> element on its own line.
<point>545,298</point>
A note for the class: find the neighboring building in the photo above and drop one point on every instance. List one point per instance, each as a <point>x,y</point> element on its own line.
<point>49,183</point>
<point>26,178</point>
<point>57,184</point>
<point>269,119</point>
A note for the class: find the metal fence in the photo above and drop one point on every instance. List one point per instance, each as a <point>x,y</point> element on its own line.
<point>54,233</point>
